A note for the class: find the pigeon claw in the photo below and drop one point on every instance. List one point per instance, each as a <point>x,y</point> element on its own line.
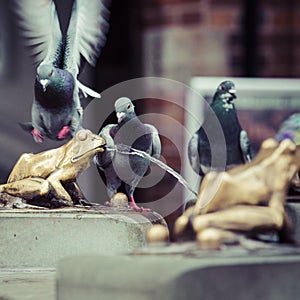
<point>135,207</point>
<point>64,132</point>
<point>37,135</point>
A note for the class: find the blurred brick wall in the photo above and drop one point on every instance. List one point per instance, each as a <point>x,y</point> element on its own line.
<point>278,39</point>
<point>186,38</point>
<point>207,37</point>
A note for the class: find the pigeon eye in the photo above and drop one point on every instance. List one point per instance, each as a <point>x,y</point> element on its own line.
<point>223,87</point>
<point>128,106</point>
<point>51,73</point>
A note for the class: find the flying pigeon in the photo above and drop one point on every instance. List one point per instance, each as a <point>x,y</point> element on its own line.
<point>130,133</point>
<point>57,107</point>
<point>237,149</point>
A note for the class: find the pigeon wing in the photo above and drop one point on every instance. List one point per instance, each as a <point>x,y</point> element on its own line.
<point>40,26</point>
<point>193,153</point>
<point>86,33</point>
<point>156,143</point>
<point>104,159</point>
<point>245,146</point>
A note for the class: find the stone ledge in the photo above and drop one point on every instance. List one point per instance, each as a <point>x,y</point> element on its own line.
<point>40,238</point>
<point>178,277</point>
<point>27,284</point>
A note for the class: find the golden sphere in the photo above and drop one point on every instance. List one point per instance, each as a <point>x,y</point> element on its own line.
<point>209,238</point>
<point>181,224</point>
<point>157,234</point>
<point>119,200</point>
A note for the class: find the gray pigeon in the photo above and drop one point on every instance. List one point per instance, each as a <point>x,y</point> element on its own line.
<point>130,132</point>
<point>237,149</point>
<point>58,104</point>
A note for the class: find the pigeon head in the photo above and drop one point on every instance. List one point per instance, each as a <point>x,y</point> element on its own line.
<point>124,109</point>
<point>44,75</point>
<point>226,91</point>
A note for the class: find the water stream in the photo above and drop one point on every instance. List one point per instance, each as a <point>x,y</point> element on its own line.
<point>127,150</point>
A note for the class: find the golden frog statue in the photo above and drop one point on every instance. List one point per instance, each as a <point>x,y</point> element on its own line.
<point>246,199</point>
<point>50,176</point>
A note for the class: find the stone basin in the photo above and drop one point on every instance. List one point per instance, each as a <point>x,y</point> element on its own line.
<point>40,238</point>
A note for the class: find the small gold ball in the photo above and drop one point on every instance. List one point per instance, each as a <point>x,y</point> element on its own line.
<point>181,224</point>
<point>209,239</point>
<point>157,234</point>
<point>200,222</point>
<point>119,200</point>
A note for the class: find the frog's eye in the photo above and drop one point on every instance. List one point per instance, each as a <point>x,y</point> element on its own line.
<point>82,135</point>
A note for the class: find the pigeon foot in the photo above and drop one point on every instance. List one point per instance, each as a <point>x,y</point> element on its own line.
<point>64,132</point>
<point>37,135</point>
<point>135,207</point>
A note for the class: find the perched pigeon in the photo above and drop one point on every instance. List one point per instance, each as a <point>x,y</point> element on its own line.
<point>237,145</point>
<point>58,104</point>
<point>130,132</point>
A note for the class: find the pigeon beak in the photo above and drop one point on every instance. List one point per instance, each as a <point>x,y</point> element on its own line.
<point>232,92</point>
<point>120,115</point>
<point>44,83</point>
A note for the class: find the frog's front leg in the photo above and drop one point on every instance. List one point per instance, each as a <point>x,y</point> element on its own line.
<point>74,191</point>
<point>59,192</point>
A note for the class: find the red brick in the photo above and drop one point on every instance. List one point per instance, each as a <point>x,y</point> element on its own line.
<point>223,19</point>
<point>159,3</point>
<point>157,19</point>
<point>225,3</point>
<point>191,18</point>
<point>283,19</point>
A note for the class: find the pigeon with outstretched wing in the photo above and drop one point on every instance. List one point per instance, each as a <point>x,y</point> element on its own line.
<point>57,106</point>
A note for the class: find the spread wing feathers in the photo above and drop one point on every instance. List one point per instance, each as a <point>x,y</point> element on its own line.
<point>193,153</point>
<point>245,146</point>
<point>40,26</point>
<point>86,33</point>
<point>156,144</point>
<point>86,91</point>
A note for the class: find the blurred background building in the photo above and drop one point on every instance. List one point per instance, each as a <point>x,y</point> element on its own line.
<point>174,39</point>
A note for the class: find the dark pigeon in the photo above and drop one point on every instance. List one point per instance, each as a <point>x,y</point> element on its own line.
<point>237,149</point>
<point>57,108</point>
<point>125,169</point>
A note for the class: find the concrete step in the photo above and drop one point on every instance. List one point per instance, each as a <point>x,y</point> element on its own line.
<point>240,276</point>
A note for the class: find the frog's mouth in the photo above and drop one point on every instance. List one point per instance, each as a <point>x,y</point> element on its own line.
<point>95,150</point>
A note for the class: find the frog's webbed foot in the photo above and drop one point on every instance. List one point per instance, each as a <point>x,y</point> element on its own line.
<point>7,201</point>
<point>84,202</point>
<point>23,205</point>
<point>58,203</point>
